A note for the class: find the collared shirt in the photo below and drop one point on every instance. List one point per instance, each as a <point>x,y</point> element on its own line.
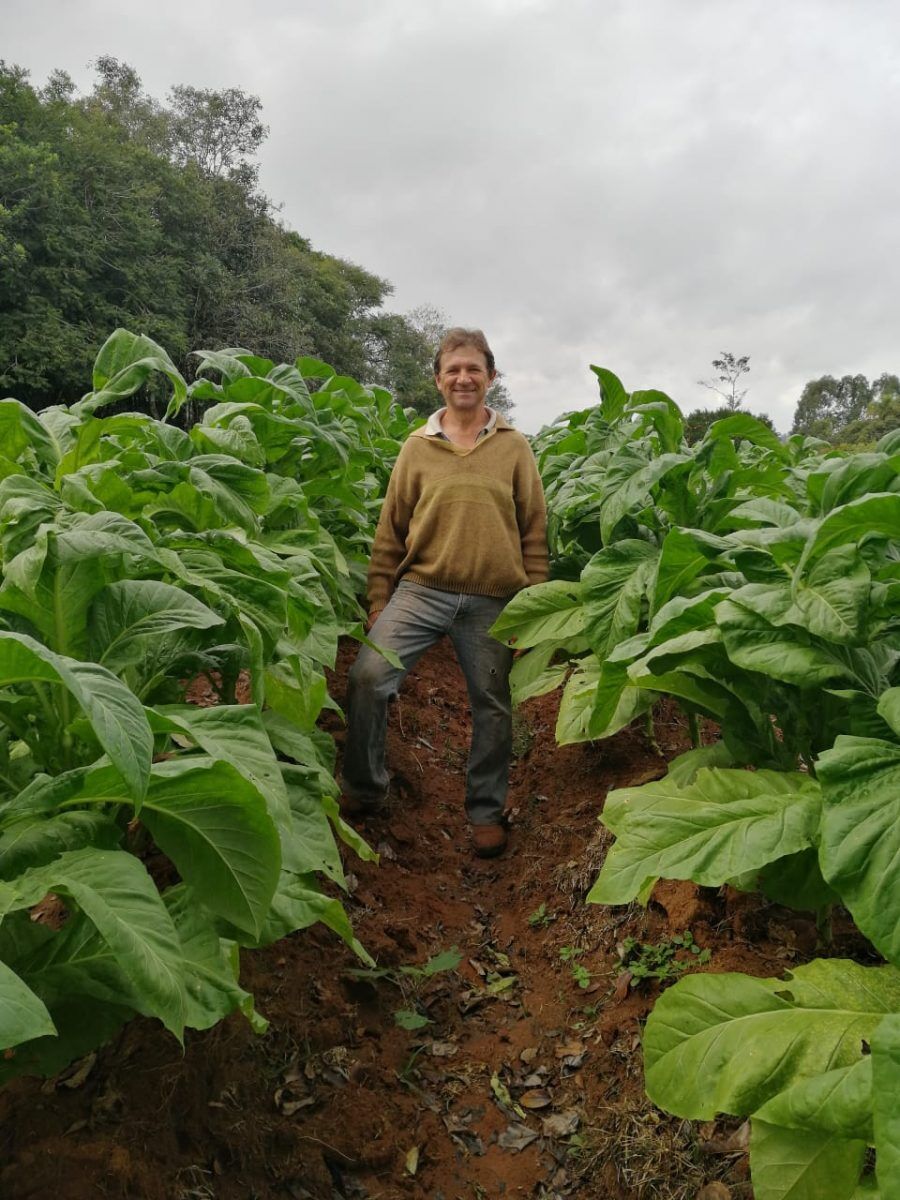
<point>433,427</point>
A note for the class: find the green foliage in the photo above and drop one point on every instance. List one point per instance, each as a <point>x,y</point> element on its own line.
<point>117,209</point>
<point>697,423</point>
<point>756,582</point>
<point>411,980</point>
<point>849,411</point>
<point>135,558</point>
<point>658,960</point>
<point>541,917</point>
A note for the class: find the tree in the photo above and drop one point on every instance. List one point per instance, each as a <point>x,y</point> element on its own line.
<point>828,405</point>
<point>882,415</point>
<point>729,369</point>
<point>219,131</point>
<point>116,210</point>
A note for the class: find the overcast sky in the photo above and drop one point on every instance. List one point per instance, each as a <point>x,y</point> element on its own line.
<point>635,183</point>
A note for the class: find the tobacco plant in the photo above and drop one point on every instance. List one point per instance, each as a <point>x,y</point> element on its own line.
<point>138,557</point>
<point>757,583</point>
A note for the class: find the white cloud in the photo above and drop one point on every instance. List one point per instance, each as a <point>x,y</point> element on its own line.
<point>637,183</point>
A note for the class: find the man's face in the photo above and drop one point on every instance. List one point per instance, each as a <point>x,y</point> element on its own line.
<point>464,378</point>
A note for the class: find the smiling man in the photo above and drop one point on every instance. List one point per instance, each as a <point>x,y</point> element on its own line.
<point>462,529</point>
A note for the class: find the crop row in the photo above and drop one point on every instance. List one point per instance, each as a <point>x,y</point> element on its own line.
<point>138,558</point>
<point>758,583</point>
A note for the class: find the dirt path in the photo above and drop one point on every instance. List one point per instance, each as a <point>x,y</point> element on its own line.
<point>525,1082</point>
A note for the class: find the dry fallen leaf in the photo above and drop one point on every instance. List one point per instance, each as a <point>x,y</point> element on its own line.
<point>536,1098</point>
<point>81,1072</point>
<point>623,985</point>
<point>737,1142</point>
<point>412,1160</point>
<point>560,1124</point>
<point>516,1137</point>
<point>529,1054</point>
<point>443,1049</point>
<point>714,1191</point>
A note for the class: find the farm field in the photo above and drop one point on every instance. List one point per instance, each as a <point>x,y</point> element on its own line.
<point>230,990</point>
<point>335,1096</point>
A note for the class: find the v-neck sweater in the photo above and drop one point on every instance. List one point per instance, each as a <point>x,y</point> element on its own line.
<point>462,519</point>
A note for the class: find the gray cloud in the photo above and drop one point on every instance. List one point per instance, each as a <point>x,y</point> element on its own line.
<point>640,183</point>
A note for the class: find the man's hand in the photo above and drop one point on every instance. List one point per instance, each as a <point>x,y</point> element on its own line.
<point>374,614</point>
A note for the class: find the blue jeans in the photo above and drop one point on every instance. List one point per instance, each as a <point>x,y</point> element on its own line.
<point>415,618</point>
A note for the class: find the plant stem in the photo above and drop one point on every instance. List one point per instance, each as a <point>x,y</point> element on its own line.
<point>694,728</point>
<point>650,731</point>
<point>824,925</point>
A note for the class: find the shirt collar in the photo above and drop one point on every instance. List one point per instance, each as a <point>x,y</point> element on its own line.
<point>433,427</point>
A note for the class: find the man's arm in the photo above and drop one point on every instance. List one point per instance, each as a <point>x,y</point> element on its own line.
<point>531,515</point>
<point>389,544</point>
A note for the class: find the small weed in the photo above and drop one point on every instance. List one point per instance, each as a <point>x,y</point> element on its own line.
<point>580,973</point>
<point>541,918</point>
<point>657,960</point>
<point>411,981</point>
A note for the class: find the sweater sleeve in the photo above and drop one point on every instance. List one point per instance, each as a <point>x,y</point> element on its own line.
<point>389,544</point>
<point>531,514</point>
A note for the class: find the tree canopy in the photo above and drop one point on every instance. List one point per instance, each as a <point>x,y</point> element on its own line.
<point>117,209</point>
<point>849,410</point>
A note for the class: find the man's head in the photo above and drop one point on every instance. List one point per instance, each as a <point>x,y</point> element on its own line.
<point>454,338</point>
<point>464,369</point>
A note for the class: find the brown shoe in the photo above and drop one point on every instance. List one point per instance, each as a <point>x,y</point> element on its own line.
<point>353,808</point>
<point>488,841</point>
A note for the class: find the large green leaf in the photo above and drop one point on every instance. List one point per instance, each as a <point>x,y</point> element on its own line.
<point>860,840</point>
<point>21,429</point>
<point>545,612</point>
<point>127,612</point>
<point>728,1043</point>
<point>832,599</point>
<point>886,1103</point>
<point>23,1015</point>
<point>120,900</point>
<point>781,652</point>
<point>214,825</point>
<point>613,397</point>
<point>685,554</point>
<point>125,363</point>
<point>837,1102</point>
<point>613,586</point>
<point>721,824</point>
<point>33,842</point>
<point>212,965</point>
<point>235,734</point>
<point>115,713</point>
<point>535,674</point>
<point>312,846</point>
<point>298,903</point>
<point>573,723</point>
<point>790,1164</point>
<point>876,515</point>
<point>635,490</point>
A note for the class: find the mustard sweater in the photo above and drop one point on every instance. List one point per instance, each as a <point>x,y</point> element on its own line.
<point>460,519</point>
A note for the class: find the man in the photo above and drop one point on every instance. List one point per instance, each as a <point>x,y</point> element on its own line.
<point>462,529</point>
